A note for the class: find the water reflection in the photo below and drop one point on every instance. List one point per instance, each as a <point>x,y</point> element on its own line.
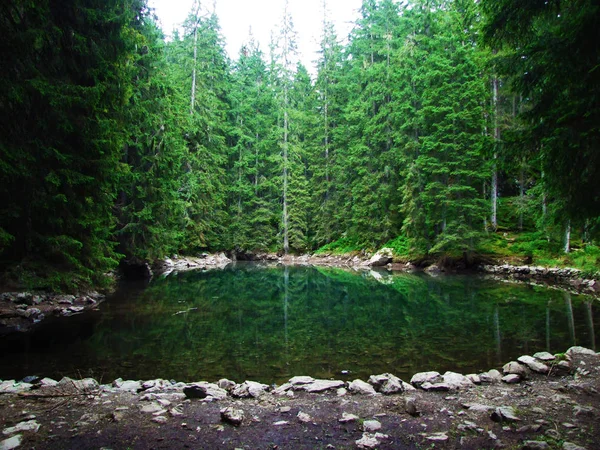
<point>269,324</point>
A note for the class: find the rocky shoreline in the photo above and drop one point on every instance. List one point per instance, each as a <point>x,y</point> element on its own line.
<point>565,278</point>
<point>542,401</point>
<point>21,311</point>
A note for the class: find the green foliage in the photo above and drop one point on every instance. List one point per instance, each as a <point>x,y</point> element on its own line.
<point>343,245</point>
<point>400,245</point>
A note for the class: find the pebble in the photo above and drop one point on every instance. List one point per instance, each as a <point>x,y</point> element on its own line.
<point>303,417</point>
<point>348,418</point>
<point>437,437</point>
<point>159,419</point>
<point>371,425</point>
<point>233,416</point>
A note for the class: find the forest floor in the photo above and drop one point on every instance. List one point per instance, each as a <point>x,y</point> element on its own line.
<point>541,411</point>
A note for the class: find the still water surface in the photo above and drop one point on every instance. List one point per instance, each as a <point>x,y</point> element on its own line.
<point>268,324</point>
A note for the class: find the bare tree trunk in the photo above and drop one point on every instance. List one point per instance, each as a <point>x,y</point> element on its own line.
<point>494,187</point>
<point>568,236</point>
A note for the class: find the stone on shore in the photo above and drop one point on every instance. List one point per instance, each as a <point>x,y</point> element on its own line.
<point>233,416</point>
<point>420,378</point>
<point>457,380</point>
<point>360,387</point>
<point>544,356</point>
<point>491,376</point>
<point>534,364</point>
<point>203,389</point>
<point>249,389</point>
<point>320,385</point>
<point>580,351</point>
<point>381,258</point>
<point>511,378</point>
<point>386,383</point>
<point>514,368</point>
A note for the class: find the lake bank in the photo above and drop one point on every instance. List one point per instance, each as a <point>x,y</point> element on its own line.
<point>531,409</point>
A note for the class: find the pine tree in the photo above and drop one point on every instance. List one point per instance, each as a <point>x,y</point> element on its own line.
<point>64,82</point>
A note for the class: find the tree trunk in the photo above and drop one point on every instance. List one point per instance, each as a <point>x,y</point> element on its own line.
<point>568,236</point>
<point>494,187</point>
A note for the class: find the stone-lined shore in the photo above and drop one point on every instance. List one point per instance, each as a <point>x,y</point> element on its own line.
<point>21,311</point>
<point>541,401</point>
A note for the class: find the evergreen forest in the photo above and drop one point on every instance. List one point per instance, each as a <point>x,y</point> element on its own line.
<point>437,128</point>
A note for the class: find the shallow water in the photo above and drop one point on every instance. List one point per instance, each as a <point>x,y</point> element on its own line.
<point>268,324</point>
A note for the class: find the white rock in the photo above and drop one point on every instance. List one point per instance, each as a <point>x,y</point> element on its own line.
<point>580,351</point>
<point>425,377</point>
<point>571,446</point>
<point>474,378</point>
<point>534,364</point>
<point>301,380</point>
<point>437,437</point>
<point>492,376</point>
<point>544,356</point>
<point>202,389</point>
<point>514,368</point>
<point>348,418</point>
<point>160,419</point>
<point>435,387</point>
<point>226,384</point>
<point>360,387</point>
<point>249,389</point>
<point>48,382</point>
<point>320,385</point>
<point>30,425</point>
<point>280,423</point>
<point>457,380</point>
<point>368,440</point>
<point>511,378</point>
<point>371,425</point>
<point>232,416</point>
<point>12,387</point>
<point>151,408</point>
<point>303,417</point>
<point>11,443</point>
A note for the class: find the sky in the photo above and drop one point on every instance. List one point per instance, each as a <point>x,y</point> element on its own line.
<point>237,16</point>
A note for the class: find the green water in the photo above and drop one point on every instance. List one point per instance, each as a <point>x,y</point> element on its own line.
<point>268,324</point>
